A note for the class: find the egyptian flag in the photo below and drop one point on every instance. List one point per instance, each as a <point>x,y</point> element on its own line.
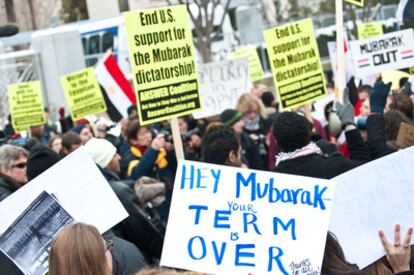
<point>117,90</point>
<point>405,11</point>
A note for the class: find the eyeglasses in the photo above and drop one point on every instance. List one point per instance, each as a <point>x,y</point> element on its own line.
<point>109,245</point>
<point>20,165</point>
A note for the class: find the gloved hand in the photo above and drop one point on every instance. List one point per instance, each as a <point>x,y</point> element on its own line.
<point>378,98</point>
<point>345,111</point>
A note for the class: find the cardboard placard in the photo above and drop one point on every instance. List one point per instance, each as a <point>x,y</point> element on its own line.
<point>80,188</point>
<point>255,65</point>
<point>228,220</point>
<point>405,136</point>
<point>359,3</point>
<point>26,105</point>
<point>388,52</point>
<point>221,85</point>
<point>295,63</point>
<point>369,30</point>
<point>369,198</point>
<point>163,63</point>
<point>83,94</point>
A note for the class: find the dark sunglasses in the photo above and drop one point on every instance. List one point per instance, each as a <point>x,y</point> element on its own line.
<point>109,245</point>
<point>20,165</point>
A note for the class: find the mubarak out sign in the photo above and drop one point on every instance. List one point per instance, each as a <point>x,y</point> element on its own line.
<point>388,52</point>
<point>227,220</point>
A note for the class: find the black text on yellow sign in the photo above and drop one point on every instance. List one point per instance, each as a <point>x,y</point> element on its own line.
<point>163,63</point>
<point>295,62</point>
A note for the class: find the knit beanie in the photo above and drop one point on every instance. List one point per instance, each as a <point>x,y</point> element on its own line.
<point>101,151</point>
<point>78,128</point>
<point>229,117</point>
<point>291,131</point>
<point>40,159</point>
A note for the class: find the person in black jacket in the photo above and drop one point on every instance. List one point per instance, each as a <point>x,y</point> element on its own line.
<point>137,228</point>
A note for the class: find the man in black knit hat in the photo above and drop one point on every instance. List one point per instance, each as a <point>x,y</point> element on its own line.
<point>300,156</point>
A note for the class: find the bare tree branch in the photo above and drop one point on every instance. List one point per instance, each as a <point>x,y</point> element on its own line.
<point>225,12</point>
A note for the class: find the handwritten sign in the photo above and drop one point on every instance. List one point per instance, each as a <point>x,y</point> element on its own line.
<point>388,52</point>
<point>369,30</point>
<point>405,136</point>
<point>221,85</point>
<point>227,220</point>
<point>295,62</point>
<point>359,3</point>
<point>255,66</point>
<point>26,105</point>
<point>163,63</point>
<point>83,94</point>
<point>369,198</point>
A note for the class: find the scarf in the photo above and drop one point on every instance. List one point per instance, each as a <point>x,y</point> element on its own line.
<point>253,124</point>
<point>309,149</point>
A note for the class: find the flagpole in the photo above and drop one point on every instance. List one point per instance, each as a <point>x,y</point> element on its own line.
<point>340,85</point>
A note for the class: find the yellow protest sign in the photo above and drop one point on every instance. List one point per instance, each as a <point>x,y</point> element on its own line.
<point>163,63</point>
<point>26,105</point>
<point>255,66</point>
<point>83,94</point>
<point>369,29</point>
<point>295,62</point>
<point>359,3</point>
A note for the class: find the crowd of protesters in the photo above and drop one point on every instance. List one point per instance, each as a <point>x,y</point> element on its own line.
<point>139,164</point>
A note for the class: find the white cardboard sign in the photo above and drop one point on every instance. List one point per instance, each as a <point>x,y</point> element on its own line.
<point>80,188</point>
<point>387,52</point>
<point>221,85</point>
<point>373,197</point>
<point>228,220</point>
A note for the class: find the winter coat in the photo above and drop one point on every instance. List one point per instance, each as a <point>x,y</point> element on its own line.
<point>7,186</point>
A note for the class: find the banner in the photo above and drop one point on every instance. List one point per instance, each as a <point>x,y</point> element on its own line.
<point>373,197</point>
<point>228,220</point>
<point>295,62</point>
<point>359,3</point>
<point>221,85</point>
<point>388,52</point>
<point>163,63</point>
<point>369,30</point>
<point>83,94</point>
<point>26,105</point>
<point>255,65</point>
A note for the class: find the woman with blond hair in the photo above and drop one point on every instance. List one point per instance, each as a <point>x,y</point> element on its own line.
<point>79,249</point>
<point>256,124</point>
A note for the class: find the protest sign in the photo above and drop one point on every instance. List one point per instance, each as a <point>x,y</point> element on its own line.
<point>255,66</point>
<point>80,188</point>
<point>295,63</point>
<point>369,30</point>
<point>228,220</point>
<point>372,197</point>
<point>163,63</point>
<point>359,3</point>
<point>27,241</point>
<point>405,136</point>
<point>221,85</point>
<point>388,52</point>
<point>83,94</point>
<point>26,105</point>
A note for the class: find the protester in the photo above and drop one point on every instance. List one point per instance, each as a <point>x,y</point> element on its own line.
<point>84,132</point>
<point>13,162</point>
<point>250,155</point>
<point>70,142</point>
<point>40,159</point>
<point>147,155</point>
<point>38,133</point>
<point>55,143</point>
<point>79,249</point>
<point>221,146</point>
<point>137,228</point>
